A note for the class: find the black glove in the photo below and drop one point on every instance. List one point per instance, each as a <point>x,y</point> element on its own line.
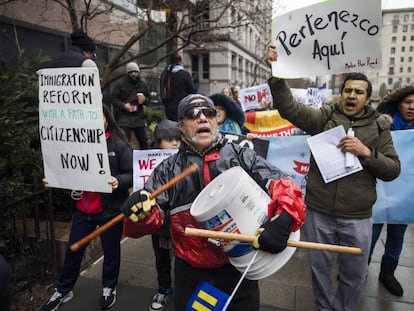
<point>273,235</point>
<point>138,205</point>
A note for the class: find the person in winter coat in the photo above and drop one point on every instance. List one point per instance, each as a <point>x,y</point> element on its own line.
<point>175,84</point>
<point>94,209</point>
<point>129,96</point>
<point>400,106</point>
<point>230,117</point>
<point>197,259</point>
<point>339,212</point>
<point>81,53</point>
<point>167,135</point>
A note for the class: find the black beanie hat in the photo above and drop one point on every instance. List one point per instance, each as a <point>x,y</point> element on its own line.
<point>82,40</point>
<point>166,129</point>
<point>186,104</point>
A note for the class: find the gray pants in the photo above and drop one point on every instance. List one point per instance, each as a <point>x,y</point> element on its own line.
<point>352,269</point>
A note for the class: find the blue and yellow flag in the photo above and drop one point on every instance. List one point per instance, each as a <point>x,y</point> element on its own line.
<point>207,298</point>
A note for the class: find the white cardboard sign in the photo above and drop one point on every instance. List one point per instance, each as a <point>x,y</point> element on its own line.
<point>71,129</point>
<point>331,37</point>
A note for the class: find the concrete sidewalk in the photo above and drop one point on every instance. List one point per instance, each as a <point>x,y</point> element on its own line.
<point>287,289</point>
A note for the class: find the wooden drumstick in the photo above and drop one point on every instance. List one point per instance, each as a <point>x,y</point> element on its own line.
<point>82,242</point>
<point>292,243</point>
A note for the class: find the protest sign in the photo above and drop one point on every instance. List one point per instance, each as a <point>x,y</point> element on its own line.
<point>71,129</point>
<point>327,38</point>
<point>255,97</point>
<point>260,146</point>
<point>311,96</point>
<point>291,155</point>
<point>395,203</point>
<point>144,163</point>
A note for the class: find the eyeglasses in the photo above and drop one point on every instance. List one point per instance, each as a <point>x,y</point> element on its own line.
<point>195,113</point>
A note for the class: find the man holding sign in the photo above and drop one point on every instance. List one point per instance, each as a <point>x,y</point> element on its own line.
<point>339,211</point>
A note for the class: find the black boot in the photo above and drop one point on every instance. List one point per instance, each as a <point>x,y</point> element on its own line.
<point>386,276</point>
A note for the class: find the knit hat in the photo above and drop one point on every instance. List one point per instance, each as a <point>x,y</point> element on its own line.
<point>233,110</point>
<point>132,67</point>
<point>186,104</point>
<point>166,129</point>
<point>389,104</point>
<point>82,40</point>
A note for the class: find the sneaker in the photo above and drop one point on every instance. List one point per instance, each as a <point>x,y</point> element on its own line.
<point>56,300</point>
<point>160,300</point>
<point>108,298</point>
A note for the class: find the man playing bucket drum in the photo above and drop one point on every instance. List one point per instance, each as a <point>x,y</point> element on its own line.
<point>196,259</point>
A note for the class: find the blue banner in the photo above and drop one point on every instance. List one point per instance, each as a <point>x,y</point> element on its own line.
<point>395,202</point>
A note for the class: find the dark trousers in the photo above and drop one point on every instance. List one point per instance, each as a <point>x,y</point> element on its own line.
<point>162,263</point>
<point>110,240</point>
<point>225,279</point>
<point>394,241</point>
<point>139,134</point>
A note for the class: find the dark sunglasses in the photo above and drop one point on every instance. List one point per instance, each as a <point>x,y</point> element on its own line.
<point>195,113</point>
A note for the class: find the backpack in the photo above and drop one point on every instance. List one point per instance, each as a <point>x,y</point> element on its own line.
<point>166,84</point>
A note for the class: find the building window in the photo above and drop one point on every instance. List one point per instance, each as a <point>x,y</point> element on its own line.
<point>406,18</point>
<point>401,59</point>
<point>391,71</point>
<point>408,69</point>
<point>394,29</point>
<point>392,61</point>
<point>393,50</point>
<point>410,59</point>
<point>233,67</point>
<point>405,28</point>
<point>403,49</point>
<point>394,39</point>
<point>401,69</point>
<point>194,65</point>
<point>206,66</point>
<point>390,81</point>
<point>411,48</point>
<point>404,38</point>
<point>408,80</point>
<point>412,38</point>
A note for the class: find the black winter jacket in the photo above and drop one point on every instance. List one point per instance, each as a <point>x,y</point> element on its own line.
<point>178,199</point>
<point>120,163</point>
<point>126,92</point>
<point>182,85</point>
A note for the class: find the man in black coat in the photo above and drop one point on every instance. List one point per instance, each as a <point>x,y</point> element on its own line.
<point>81,53</point>
<point>175,84</point>
<point>129,97</point>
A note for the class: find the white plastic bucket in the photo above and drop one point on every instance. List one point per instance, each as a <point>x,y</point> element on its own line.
<point>233,202</point>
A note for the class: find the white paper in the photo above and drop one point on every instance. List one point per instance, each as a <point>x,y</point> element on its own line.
<point>329,158</point>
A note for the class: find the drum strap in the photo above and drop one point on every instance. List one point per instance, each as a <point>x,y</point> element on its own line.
<point>211,156</point>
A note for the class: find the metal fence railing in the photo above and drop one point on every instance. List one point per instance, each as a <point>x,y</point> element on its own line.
<point>27,232</point>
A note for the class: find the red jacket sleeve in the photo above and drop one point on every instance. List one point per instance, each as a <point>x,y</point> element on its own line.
<point>287,196</point>
<point>148,225</point>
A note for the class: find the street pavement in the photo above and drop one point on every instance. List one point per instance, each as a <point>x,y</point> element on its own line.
<point>287,289</point>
